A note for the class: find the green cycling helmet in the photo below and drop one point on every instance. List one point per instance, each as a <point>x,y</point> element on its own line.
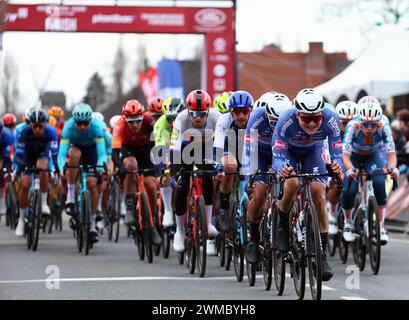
<point>221,102</point>
<point>172,107</point>
<point>82,112</point>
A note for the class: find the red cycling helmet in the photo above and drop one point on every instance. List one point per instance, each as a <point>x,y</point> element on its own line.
<point>9,120</point>
<point>132,108</point>
<point>198,100</point>
<point>155,106</point>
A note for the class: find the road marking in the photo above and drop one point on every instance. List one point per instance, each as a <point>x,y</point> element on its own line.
<point>399,240</point>
<point>353,298</point>
<point>325,288</point>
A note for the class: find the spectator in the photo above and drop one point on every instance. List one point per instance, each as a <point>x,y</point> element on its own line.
<point>403,155</point>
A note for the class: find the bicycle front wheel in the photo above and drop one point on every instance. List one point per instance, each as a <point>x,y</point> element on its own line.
<point>278,257</point>
<point>374,235</point>
<point>86,223</point>
<point>146,227</point>
<point>359,246</point>
<point>297,256</point>
<point>201,236</point>
<point>314,254</point>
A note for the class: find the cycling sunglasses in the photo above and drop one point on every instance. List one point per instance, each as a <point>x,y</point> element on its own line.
<point>40,125</point>
<point>367,125</point>
<point>308,118</point>
<point>82,123</point>
<point>198,114</point>
<point>133,120</point>
<point>237,111</point>
<point>171,117</point>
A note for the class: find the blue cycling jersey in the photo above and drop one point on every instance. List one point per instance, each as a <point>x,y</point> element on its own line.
<point>94,134</point>
<point>258,142</point>
<point>29,147</point>
<point>289,135</point>
<point>17,133</point>
<point>6,141</point>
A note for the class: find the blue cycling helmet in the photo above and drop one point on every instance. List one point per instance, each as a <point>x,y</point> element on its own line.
<point>38,115</point>
<point>241,99</point>
<point>82,112</point>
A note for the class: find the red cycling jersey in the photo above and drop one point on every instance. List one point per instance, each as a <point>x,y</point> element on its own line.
<point>123,135</point>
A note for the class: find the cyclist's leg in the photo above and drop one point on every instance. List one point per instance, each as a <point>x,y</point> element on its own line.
<point>25,182</point>
<point>3,207</point>
<point>42,163</point>
<point>130,163</point>
<point>230,165</point>
<point>74,156</point>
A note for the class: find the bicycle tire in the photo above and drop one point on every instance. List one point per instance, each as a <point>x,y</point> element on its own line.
<point>359,246</point>
<point>117,206</point>
<point>343,246</point>
<point>86,226</point>
<point>28,228</point>
<point>181,257</point>
<point>229,248</point>
<point>190,248</point>
<point>374,235</point>
<point>110,210</point>
<point>14,211</point>
<point>297,260</point>
<point>140,244</point>
<point>146,227</point>
<point>240,242</point>
<point>221,243</point>
<point>201,237</point>
<point>267,256</point>
<point>251,273</point>
<point>36,219</point>
<point>332,244</point>
<point>278,257</point>
<point>159,225</point>
<point>314,253</point>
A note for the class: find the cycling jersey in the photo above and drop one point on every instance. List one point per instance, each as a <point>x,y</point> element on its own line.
<point>31,148</point>
<point>107,138</point>
<point>184,133</point>
<point>228,138</point>
<point>291,140</point>
<point>162,131</point>
<point>17,133</point>
<point>356,142</point>
<point>72,136</point>
<point>123,135</point>
<point>258,141</point>
<point>60,127</point>
<point>6,142</point>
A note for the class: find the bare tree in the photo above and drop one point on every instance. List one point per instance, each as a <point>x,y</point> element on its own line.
<point>96,92</point>
<point>370,13</point>
<point>9,84</point>
<point>119,72</point>
<point>142,60</point>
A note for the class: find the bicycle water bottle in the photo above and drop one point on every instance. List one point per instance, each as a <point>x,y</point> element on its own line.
<point>298,226</point>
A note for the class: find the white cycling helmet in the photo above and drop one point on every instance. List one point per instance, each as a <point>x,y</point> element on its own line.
<point>277,104</point>
<point>309,101</point>
<point>113,121</point>
<point>346,110</point>
<point>369,109</point>
<point>262,101</point>
<point>98,115</point>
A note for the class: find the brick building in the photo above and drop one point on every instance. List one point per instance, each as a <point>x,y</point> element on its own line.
<point>274,70</point>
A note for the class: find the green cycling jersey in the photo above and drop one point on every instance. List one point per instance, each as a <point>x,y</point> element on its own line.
<point>162,131</point>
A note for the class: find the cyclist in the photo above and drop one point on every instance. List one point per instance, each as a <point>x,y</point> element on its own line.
<point>346,111</point>
<point>221,102</point>
<point>58,114</point>
<point>131,149</point>
<point>82,139</point>
<point>163,130</point>
<point>36,142</point>
<point>9,121</point>
<point>228,145</point>
<point>6,143</point>
<point>257,154</point>
<point>195,127</point>
<point>112,122</point>
<point>299,137</point>
<point>363,139</point>
<point>155,109</point>
<point>260,102</point>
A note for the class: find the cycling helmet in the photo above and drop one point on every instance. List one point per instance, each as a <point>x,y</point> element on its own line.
<point>52,121</point>
<point>346,110</point>
<point>173,105</point>
<point>221,102</point>
<point>9,120</point>
<point>82,112</point>
<point>38,115</point>
<point>132,108</point>
<point>369,109</point>
<point>241,99</point>
<point>98,115</point>
<point>261,102</point>
<point>26,115</point>
<point>56,112</point>
<point>276,104</point>
<point>367,98</point>
<point>113,121</point>
<point>309,101</point>
<point>198,100</point>
<point>155,106</point>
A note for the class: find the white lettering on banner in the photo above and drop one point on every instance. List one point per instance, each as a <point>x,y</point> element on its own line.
<point>210,17</point>
<point>219,70</point>
<point>22,13</point>
<point>60,24</point>
<point>219,45</point>
<point>11,17</point>
<point>219,85</point>
<point>112,18</point>
<point>219,58</point>
<point>55,10</point>
<point>164,19</point>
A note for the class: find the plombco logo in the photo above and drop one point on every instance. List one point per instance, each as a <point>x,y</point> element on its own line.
<point>210,17</point>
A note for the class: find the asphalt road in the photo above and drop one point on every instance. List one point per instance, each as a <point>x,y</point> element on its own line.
<point>114,271</point>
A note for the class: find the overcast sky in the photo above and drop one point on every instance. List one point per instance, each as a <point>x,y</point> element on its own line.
<point>70,59</point>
